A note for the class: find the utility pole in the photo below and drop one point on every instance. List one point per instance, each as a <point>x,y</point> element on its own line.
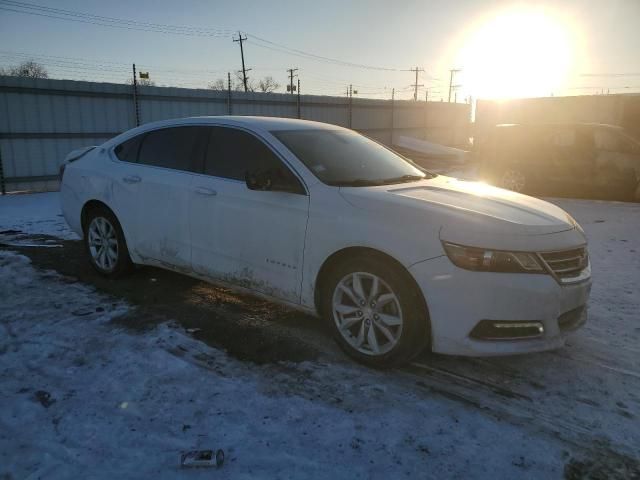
<point>3,188</point>
<point>298,92</point>
<point>393,112</point>
<point>228,93</point>
<point>241,39</point>
<point>426,112</point>
<point>135,97</point>
<point>291,72</point>
<point>350,93</point>
<point>452,72</point>
<point>416,85</point>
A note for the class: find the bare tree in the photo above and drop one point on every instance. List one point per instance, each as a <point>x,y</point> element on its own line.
<point>239,83</point>
<point>268,85</point>
<point>29,69</point>
<point>219,85</point>
<point>143,82</point>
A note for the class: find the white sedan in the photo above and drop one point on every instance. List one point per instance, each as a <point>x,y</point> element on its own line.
<point>326,220</point>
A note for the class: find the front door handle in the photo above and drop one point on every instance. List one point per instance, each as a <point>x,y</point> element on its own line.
<point>206,191</point>
<point>132,179</point>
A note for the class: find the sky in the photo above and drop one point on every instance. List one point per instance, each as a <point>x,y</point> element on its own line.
<point>502,48</point>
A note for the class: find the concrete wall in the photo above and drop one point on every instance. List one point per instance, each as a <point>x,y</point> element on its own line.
<point>42,120</point>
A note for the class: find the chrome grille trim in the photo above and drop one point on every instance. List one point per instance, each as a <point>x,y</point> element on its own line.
<point>564,260</point>
<point>567,266</point>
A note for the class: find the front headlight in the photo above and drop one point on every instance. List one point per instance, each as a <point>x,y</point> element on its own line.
<point>478,259</point>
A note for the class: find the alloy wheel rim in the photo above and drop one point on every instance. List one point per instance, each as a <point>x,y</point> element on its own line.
<point>103,243</point>
<point>367,313</point>
<point>513,180</point>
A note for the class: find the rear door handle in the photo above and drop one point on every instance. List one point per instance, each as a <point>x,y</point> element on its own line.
<point>132,179</point>
<point>206,191</point>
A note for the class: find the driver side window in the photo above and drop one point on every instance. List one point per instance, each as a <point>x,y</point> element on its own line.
<point>233,153</point>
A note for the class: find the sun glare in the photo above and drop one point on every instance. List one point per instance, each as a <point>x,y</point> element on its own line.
<point>517,54</point>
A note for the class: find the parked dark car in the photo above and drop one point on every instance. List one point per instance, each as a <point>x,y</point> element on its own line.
<point>569,160</point>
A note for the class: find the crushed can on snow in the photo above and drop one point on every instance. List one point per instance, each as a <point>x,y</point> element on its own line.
<point>202,458</point>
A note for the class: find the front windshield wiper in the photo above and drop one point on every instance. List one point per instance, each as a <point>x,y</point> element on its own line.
<point>362,182</point>
<point>356,182</point>
<point>402,179</point>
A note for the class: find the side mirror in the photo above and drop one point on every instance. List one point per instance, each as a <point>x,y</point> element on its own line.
<point>258,181</point>
<point>276,180</point>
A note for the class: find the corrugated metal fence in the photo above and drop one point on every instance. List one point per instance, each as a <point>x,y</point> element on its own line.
<point>42,120</point>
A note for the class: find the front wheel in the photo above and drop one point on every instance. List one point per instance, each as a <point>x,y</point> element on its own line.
<point>375,311</point>
<point>106,244</point>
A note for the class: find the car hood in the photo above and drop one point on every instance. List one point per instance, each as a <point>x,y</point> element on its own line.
<point>470,213</point>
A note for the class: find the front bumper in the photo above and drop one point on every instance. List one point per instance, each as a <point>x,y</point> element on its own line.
<point>458,299</point>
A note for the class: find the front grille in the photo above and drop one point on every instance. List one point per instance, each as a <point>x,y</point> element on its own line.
<point>567,265</point>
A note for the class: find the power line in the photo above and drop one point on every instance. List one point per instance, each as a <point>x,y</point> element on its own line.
<point>82,60</point>
<point>117,72</point>
<point>110,65</point>
<point>106,64</point>
<point>102,68</point>
<point>610,74</point>
<point>61,14</point>
<point>294,51</point>
<point>602,87</point>
<point>74,64</point>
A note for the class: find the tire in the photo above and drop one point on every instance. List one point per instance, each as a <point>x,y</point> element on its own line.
<point>101,227</point>
<point>513,179</point>
<point>339,306</point>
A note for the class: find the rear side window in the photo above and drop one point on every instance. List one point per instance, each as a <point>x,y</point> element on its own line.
<point>180,148</point>
<point>128,151</point>
<point>232,153</point>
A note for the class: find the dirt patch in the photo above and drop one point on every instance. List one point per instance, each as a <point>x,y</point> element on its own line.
<point>247,327</point>
<point>603,465</point>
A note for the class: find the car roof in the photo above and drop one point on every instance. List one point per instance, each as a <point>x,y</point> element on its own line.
<point>251,122</point>
<point>257,124</point>
<point>559,124</point>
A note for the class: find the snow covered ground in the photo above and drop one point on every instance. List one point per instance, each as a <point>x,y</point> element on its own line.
<point>37,213</point>
<point>82,395</point>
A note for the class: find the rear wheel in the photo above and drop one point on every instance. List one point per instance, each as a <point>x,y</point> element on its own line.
<point>105,243</point>
<point>375,311</point>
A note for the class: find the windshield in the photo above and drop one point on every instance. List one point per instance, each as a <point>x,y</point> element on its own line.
<point>343,157</point>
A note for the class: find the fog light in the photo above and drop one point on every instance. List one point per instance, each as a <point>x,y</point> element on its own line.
<point>572,319</point>
<point>506,330</point>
